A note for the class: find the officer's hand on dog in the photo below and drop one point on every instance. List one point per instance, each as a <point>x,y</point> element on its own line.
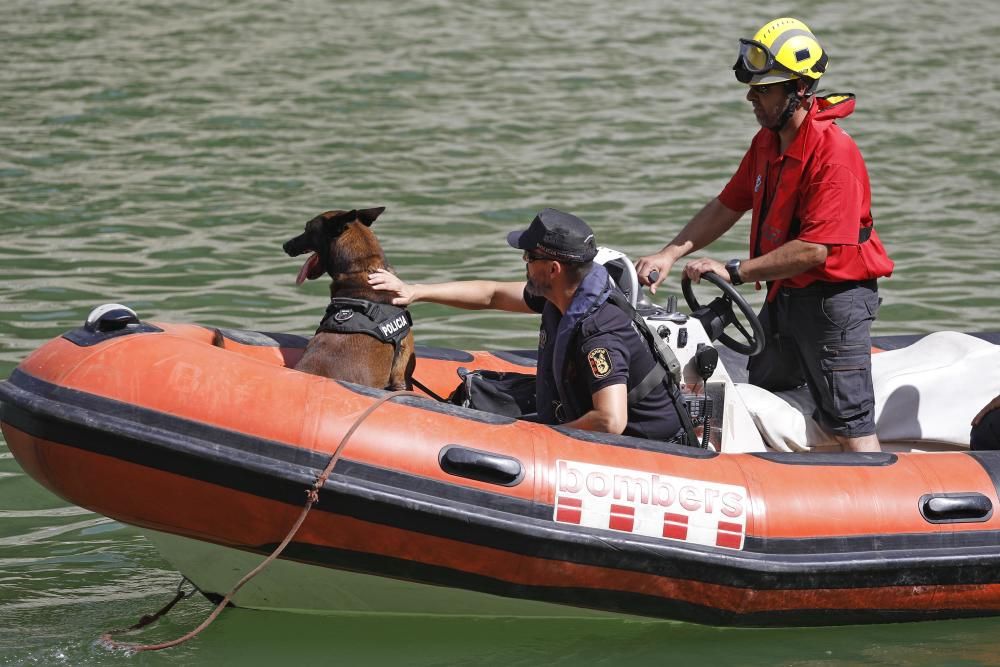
<point>383,281</point>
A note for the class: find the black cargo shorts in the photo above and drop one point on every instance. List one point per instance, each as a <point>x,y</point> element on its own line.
<point>986,435</point>
<point>820,336</point>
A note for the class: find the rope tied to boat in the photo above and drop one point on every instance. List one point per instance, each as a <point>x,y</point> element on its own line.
<point>312,497</point>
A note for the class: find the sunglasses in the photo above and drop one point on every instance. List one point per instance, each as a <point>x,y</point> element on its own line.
<point>529,258</point>
<point>764,88</point>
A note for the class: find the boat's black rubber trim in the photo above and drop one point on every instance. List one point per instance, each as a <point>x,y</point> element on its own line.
<point>265,338</point>
<point>609,600</point>
<point>860,459</point>
<point>526,358</point>
<point>442,354</point>
<point>422,505</point>
<point>636,443</point>
<point>84,337</point>
<point>863,545</point>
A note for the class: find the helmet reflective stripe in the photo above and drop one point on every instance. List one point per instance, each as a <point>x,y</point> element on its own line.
<point>783,39</point>
<point>800,55</point>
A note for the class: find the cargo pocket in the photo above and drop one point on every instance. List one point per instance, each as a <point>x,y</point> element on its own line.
<point>847,371</point>
<point>873,302</point>
<point>839,309</point>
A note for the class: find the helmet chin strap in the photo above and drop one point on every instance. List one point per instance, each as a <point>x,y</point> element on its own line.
<point>793,103</point>
<point>786,115</point>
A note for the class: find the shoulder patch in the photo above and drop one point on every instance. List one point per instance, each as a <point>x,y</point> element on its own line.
<point>600,362</point>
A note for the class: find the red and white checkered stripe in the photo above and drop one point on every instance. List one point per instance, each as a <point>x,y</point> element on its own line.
<point>648,504</point>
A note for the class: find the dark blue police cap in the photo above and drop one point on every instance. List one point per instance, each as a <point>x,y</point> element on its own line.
<point>558,235</point>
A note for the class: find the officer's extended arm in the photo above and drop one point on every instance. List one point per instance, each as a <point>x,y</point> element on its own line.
<point>468,294</point>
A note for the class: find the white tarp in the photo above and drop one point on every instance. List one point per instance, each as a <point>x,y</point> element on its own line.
<point>929,390</point>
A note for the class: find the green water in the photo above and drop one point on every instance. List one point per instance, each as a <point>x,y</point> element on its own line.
<point>158,154</point>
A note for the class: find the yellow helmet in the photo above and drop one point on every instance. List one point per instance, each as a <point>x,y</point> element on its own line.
<point>783,49</point>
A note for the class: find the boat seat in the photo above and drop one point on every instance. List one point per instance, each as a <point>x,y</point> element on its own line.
<point>928,391</point>
<point>622,272</point>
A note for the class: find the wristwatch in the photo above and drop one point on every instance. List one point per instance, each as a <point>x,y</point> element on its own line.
<point>733,266</point>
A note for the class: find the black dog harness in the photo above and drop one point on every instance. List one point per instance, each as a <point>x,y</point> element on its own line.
<point>385,322</point>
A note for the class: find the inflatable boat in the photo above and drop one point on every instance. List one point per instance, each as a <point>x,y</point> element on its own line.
<point>207,439</point>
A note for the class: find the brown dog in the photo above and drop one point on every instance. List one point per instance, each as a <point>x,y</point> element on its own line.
<point>363,338</point>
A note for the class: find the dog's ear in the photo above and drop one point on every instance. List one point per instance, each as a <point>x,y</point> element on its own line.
<point>367,216</point>
<point>334,225</point>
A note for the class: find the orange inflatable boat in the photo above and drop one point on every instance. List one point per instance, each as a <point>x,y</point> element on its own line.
<point>208,439</point>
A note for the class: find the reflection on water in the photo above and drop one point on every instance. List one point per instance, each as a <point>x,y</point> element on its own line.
<point>158,154</point>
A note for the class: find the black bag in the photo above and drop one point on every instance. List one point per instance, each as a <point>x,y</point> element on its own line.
<point>508,394</point>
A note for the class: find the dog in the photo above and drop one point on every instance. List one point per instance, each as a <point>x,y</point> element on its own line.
<point>363,338</point>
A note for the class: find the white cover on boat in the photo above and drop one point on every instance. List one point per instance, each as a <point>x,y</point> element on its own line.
<point>929,390</point>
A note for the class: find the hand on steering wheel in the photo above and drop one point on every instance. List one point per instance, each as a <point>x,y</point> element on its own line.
<point>718,315</point>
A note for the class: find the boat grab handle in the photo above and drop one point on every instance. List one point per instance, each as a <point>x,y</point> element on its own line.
<point>480,465</point>
<point>955,507</point>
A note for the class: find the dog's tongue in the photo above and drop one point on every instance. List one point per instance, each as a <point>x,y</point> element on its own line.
<point>310,270</point>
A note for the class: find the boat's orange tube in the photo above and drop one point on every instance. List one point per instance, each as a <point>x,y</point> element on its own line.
<point>166,430</point>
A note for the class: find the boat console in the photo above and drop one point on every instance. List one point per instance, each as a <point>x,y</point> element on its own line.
<point>708,387</point>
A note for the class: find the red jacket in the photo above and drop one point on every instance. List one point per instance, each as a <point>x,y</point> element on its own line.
<point>819,186</point>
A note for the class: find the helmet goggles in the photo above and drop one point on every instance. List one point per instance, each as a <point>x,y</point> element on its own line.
<point>756,59</point>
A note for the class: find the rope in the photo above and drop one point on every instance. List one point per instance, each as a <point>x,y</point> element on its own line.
<point>312,496</point>
<point>150,618</point>
<point>427,390</point>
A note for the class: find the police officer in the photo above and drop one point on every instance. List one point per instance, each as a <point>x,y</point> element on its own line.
<point>591,362</point>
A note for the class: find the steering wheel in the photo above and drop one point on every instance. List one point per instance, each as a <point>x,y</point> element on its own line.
<point>719,314</point>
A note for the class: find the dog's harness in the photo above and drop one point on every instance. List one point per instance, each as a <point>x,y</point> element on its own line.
<point>385,322</point>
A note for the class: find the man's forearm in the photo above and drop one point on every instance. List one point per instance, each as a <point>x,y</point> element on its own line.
<point>707,225</point>
<point>473,294</point>
<point>790,259</point>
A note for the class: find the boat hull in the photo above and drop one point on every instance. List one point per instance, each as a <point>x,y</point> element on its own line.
<point>288,585</point>
<point>134,428</point>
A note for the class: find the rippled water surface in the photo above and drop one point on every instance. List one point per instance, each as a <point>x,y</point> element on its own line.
<point>158,154</point>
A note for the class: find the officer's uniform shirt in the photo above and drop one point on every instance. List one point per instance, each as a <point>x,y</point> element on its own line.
<point>606,351</point>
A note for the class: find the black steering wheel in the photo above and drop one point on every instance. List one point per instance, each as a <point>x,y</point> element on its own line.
<point>719,314</point>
